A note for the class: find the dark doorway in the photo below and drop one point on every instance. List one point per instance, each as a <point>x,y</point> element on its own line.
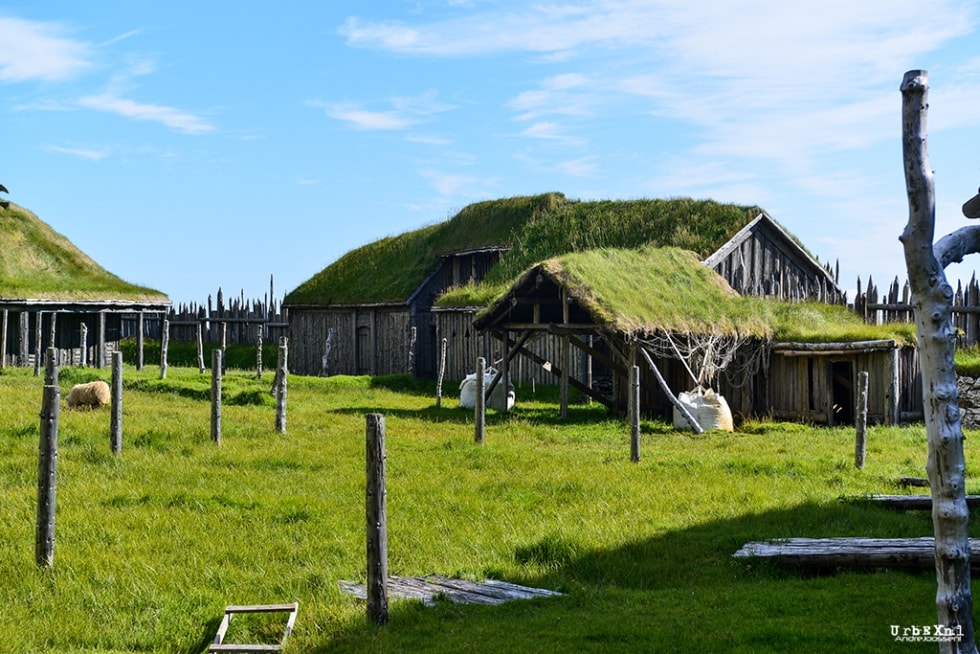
<point>842,373</point>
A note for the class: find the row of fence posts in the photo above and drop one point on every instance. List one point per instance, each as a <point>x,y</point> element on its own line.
<point>51,411</point>
<point>375,457</point>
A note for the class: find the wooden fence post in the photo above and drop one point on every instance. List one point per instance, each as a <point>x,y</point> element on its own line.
<point>164,342</point>
<point>216,396</point>
<point>200,349</point>
<point>83,337</point>
<point>480,405</point>
<point>258,353</point>
<point>25,344</point>
<point>634,413</point>
<point>52,341</point>
<point>224,344</point>
<point>37,344</point>
<point>115,420</point>
<point>101,353</point>
<point>47,474</point>
<point>282,371</point>
<point>3,339</point>
<point>860,437</point>
<point>325,360</point>
<point>140,328</point>
<point>377,522</point>
<point>442,373</point>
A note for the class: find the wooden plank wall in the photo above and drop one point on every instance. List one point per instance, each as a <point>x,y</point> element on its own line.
<point>801,388</point>
<point>384,330</point>
<point>759,267</point>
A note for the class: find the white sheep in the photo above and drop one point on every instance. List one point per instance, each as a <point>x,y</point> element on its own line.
<point>91,395</point>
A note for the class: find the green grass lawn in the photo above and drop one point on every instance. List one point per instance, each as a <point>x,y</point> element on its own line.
<point>151,545</point>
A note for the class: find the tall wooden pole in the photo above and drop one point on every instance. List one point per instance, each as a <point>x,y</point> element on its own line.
<point>377,521</point>
<point>47,473</point>
<point>946,464</point>
<point>115,420</point>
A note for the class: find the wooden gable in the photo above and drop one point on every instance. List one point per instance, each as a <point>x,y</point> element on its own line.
<point>763,260</point>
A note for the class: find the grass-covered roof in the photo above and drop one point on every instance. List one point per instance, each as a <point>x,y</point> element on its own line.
<point>535,228</point>
<point>37,263</point>
<point>666,289</point>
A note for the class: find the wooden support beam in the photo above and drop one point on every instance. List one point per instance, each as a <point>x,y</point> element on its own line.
<point>547,365</point>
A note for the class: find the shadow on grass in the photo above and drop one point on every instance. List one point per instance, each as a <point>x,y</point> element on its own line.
<point>680,591</point>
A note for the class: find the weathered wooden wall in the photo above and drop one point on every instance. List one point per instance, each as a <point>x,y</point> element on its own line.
<point>763,262</point>
<point>367,340</point>
<point>801,385</point>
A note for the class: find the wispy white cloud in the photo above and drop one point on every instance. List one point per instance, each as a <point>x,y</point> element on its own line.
<point>175,119</point>
<point>32,50</point>
<point>405,112</point>
<point>581,167</point>
<point>91,154</point>
<point>550,131</point>
<point>356,115</point>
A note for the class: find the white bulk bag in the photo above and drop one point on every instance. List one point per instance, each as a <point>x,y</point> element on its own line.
<point>707,407</point>
<point>467,391</point>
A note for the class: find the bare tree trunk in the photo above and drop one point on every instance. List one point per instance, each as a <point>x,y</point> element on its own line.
<point>933,298</point>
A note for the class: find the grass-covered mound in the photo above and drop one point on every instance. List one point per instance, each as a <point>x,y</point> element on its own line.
<point>39,263</point>
<point>535,228</point>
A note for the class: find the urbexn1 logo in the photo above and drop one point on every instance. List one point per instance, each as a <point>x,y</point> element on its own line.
<point>924,633</point>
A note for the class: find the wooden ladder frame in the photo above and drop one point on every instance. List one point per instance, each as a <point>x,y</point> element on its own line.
<point>220,646</point>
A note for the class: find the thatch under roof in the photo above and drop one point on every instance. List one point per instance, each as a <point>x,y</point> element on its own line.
<point>39,264</point>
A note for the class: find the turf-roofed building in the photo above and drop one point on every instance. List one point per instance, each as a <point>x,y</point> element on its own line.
<point>518,280</point>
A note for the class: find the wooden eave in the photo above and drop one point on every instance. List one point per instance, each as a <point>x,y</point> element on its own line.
<point>84,306</point>
<point>309,306</point>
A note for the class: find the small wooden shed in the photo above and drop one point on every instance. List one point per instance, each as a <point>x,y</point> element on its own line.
<point>590,306</point>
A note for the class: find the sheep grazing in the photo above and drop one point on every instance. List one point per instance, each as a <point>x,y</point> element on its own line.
<point>91,395</point>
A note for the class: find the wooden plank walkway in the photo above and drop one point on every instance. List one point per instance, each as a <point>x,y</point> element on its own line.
<point>430,589</point>
<point>852,552</point>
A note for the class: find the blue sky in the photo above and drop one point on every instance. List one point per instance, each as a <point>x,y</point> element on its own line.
<point>187,146</point>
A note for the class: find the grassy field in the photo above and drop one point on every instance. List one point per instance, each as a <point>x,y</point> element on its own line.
<point>151,545</point>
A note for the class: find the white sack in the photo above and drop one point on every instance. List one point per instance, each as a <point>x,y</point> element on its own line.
<point>707,407</point>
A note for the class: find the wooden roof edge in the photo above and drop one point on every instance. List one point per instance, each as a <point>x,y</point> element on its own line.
<point>351,305</point>
<point>85,305</point>
<point>780,233</point>
<point>881,344</point>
